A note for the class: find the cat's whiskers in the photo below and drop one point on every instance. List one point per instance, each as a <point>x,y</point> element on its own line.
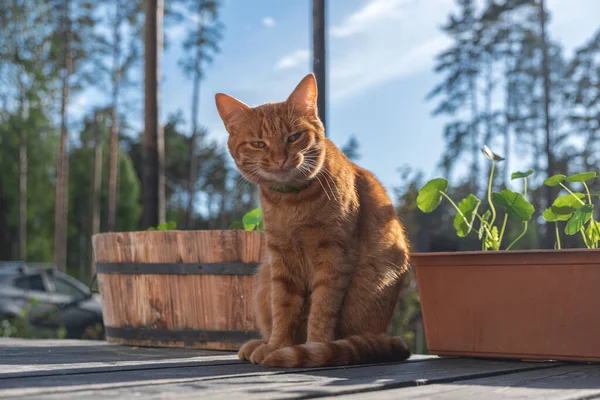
<point>325,191</point>
<point>311,165</point>
<point>326,173</point>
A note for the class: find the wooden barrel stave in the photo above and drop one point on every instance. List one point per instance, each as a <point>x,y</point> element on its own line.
<point>207,295</point>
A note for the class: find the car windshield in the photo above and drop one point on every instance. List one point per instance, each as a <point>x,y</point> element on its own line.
<point>31,282</point>
<point>62,286</point>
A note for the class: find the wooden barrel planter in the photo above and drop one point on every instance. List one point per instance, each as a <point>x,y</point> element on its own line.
<point>178,288</point>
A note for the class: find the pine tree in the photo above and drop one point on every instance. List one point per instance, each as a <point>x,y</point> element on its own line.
<point>461,64</point>
<point>117,52</point>
<point>583,97</point>
<point>200,44</point>
<point>351,149</point>
<point>24,55</point>
<point>73,23</point>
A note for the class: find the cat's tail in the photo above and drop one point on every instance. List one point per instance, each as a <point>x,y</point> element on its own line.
<point>360,349</point>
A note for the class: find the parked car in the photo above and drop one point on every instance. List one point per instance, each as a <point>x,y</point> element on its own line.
<point>52,299</point>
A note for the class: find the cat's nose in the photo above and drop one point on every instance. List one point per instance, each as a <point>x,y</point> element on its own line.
<point>280,161</point>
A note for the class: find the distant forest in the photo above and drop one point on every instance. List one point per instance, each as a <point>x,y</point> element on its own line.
<point>504,82</point>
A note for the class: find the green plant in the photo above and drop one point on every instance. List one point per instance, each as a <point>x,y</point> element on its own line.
<point>165,226</point>
<point>574,208</point>
<point>20,325</point>
<point>491,235</point>
<point>252,220</point>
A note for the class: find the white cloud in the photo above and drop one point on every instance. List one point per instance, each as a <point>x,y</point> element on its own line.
<point>176,32</point>
<point>371,13</point>
<point>292,60</point>
<point>268,22</point>
<point>391,40</point>
<point>356,73</point>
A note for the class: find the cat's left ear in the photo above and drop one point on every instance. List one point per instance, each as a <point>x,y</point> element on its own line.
<point>304,96</point>
<point>230,109</point>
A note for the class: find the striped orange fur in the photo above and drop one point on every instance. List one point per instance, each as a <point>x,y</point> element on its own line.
<point>337,252</point>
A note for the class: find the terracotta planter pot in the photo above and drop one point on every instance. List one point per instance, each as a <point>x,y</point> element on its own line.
<point>178,288</point>
<point>534,305</point>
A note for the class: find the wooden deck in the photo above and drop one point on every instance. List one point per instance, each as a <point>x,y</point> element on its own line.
<point>68,369</point>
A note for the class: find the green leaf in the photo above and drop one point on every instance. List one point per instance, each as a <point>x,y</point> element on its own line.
<point>252,218</point>
<point>554,214</point>
<point>579,218</point>
<point>468,206</point>
<point>236,225</point>
<point>569,200</point>
<point>593,232</point>
<point>582,177</point>
<point>514,203</point>
<point>563,207</point>
<point>554,180</point>
<point>517,175</point>
<point>165,226</point>
<point>429,197</point>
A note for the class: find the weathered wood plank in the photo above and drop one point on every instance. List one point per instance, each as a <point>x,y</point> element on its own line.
<point>562,383</point>
<point>250,381</point>
<point>22,358</point>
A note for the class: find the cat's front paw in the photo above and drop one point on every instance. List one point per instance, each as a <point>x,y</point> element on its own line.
<point>248,348</point>
<point>262,351</point>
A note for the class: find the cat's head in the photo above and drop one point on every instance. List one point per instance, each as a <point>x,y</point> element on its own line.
<point>276,143</point>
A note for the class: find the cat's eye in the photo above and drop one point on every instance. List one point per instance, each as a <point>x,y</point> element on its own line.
<point>259,145</point>
<point>294,137</point>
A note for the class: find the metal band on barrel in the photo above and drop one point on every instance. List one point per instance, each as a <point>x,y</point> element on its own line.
<point>227,268</point>
<point>181,335</point>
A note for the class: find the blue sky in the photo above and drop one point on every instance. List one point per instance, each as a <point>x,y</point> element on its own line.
<point>380,60</point>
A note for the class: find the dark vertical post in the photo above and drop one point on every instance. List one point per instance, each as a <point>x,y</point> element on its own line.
<point>549,239</point>
<point>319,56</point>
<point>150,140</point>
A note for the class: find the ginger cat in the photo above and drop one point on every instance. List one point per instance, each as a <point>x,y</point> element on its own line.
<point>337,252</point>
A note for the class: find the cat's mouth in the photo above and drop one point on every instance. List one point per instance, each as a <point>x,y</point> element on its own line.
<point>281,176</point>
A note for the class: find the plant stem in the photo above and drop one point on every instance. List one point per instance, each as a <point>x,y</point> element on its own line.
<point>502,230</point>
<point>572,194</point>
<point>485,225</point>
<point>587,189</point>
<point>585,238</point>
<point>490,194</point>
<point>455,206</point>
<point>520,236</point>
<point>525,187</point>
<point>557,235</point>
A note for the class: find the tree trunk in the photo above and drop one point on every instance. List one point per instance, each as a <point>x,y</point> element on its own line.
<point>162,195</point>
<point>319,56</point>
<point>22,194</point>
<point>475,147</point>
<point>62,177</point>
<point>549,237</point>
<point>193,172</point>
<point>20,127</point>
<point>223,209</point>
<point>153,141</point>
<point>114,128</point>
<point>96,187</point>
<point>507,117</point>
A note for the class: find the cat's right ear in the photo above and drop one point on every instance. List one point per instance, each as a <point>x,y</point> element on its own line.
<point>230,109</point>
